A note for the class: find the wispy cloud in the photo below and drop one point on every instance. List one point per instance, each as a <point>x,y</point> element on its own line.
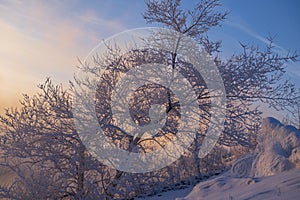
<point>293,69</point>
<point>92,18</point>
<point>39,39</point>
<point>255,35</point>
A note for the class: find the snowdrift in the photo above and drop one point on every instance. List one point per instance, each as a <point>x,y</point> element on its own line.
<point>272,171</point>
<point>278,150</point>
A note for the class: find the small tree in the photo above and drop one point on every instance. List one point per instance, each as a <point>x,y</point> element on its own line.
<point>293,118</point>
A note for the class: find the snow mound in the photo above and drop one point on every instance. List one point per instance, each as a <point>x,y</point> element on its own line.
<point>284,185</point>
<point>270,172</point>
<point>278,150</point>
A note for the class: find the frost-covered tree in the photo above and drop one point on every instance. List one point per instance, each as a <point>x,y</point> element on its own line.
<point>252,76</point>
<point>41,149</point>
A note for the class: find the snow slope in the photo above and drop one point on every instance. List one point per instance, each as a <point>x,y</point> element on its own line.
<point>285,185</point>
<point>272,171</point>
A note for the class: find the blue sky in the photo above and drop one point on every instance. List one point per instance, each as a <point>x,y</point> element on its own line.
<point>252,21</point>
<point>44,38</point>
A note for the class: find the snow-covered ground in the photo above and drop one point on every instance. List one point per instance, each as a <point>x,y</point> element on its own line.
<point>285,185</point>
<point>170,195</point>
<point>272,171</point>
